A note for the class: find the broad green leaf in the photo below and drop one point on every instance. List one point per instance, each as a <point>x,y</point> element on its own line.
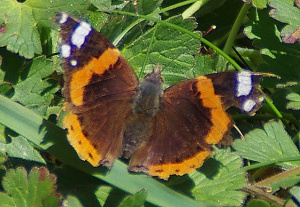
<point>264,32</point>
<point>75,183</point>
<point>272,143</point>
<point>106,5</point>
<point>128,28</point>
<point>295,191</point>
<point>72,201</point>
<point>166,46</point>
<point>103,193</point>
<point>6,200</point>
<point>294,103</point>
<point>2,134</point>
<point>208,64</point>
<point>34,189</point>
<point>2,160</point>
<point>11,65</point>
<point>20,21</point>
<point>260,4</point>
<point>36,91</point>
<point>283,65</point>
<point>20,148</point>
<point>20,34</point>
<point>285,11</point>
<point>290,34</point>
<point>286,67</point>
<point>5,88</point>
<point>218,181</point>
<point>46,18</point>
<point>251,56</point>
<point>135,200</point>
<point>258,203</point>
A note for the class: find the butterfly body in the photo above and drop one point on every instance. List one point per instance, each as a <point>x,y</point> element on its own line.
<point>162,132</point>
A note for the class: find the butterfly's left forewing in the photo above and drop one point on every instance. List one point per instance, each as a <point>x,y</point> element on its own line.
<point>99,86</point>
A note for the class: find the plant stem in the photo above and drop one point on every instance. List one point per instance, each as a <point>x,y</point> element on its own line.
<point>235,28</point>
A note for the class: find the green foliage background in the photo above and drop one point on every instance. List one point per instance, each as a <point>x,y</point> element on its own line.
<point>39,168</point>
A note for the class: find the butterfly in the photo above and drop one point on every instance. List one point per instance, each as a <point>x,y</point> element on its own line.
<point>162,132</point>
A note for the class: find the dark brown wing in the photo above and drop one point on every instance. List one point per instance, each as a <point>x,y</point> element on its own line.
<point>191,118</point>
<point>99,85</point>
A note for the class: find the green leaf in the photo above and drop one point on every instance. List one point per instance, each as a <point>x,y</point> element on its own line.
<point>5,88</point>
<point>2,134</point>
<point>130,27</point>
<point>46,18</point>
<point>11,66</point>
<point>260,4</point>
<point>20,148</point>
<point>290,34</point>
<point>36,91</point>
<point>218,181</point>
<point>294,103</point>
<point>135,200</point>
<point>262,29</point>
<point>19,21</point>
<point>6,201</point>
<point>258,203</point>
<point>166,46</point>
<point>265,33</point>
<point>103,193</point>
<point>285,11</point>
<point>295,191</point>
<point>272,143</point>
<point>283,65</point>
<point>20,34</point>
<point>35,189</point>
<point>106,5</point>
<point>72,201</point>
<point>208,64</point>
<point>2,160</point>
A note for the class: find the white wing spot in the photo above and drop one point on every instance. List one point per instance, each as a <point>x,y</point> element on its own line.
<point>65,50</point>
<point>244,84</point>
<point>80,33</point>
<point>63,18</point>
<point>73,62</point>
<point>248,105</point>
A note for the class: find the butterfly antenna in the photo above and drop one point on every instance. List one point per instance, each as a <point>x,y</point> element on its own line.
<point>212,27</point>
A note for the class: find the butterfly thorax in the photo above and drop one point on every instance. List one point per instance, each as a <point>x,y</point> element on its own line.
<point>148,94</point>
<point>146,103</point>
